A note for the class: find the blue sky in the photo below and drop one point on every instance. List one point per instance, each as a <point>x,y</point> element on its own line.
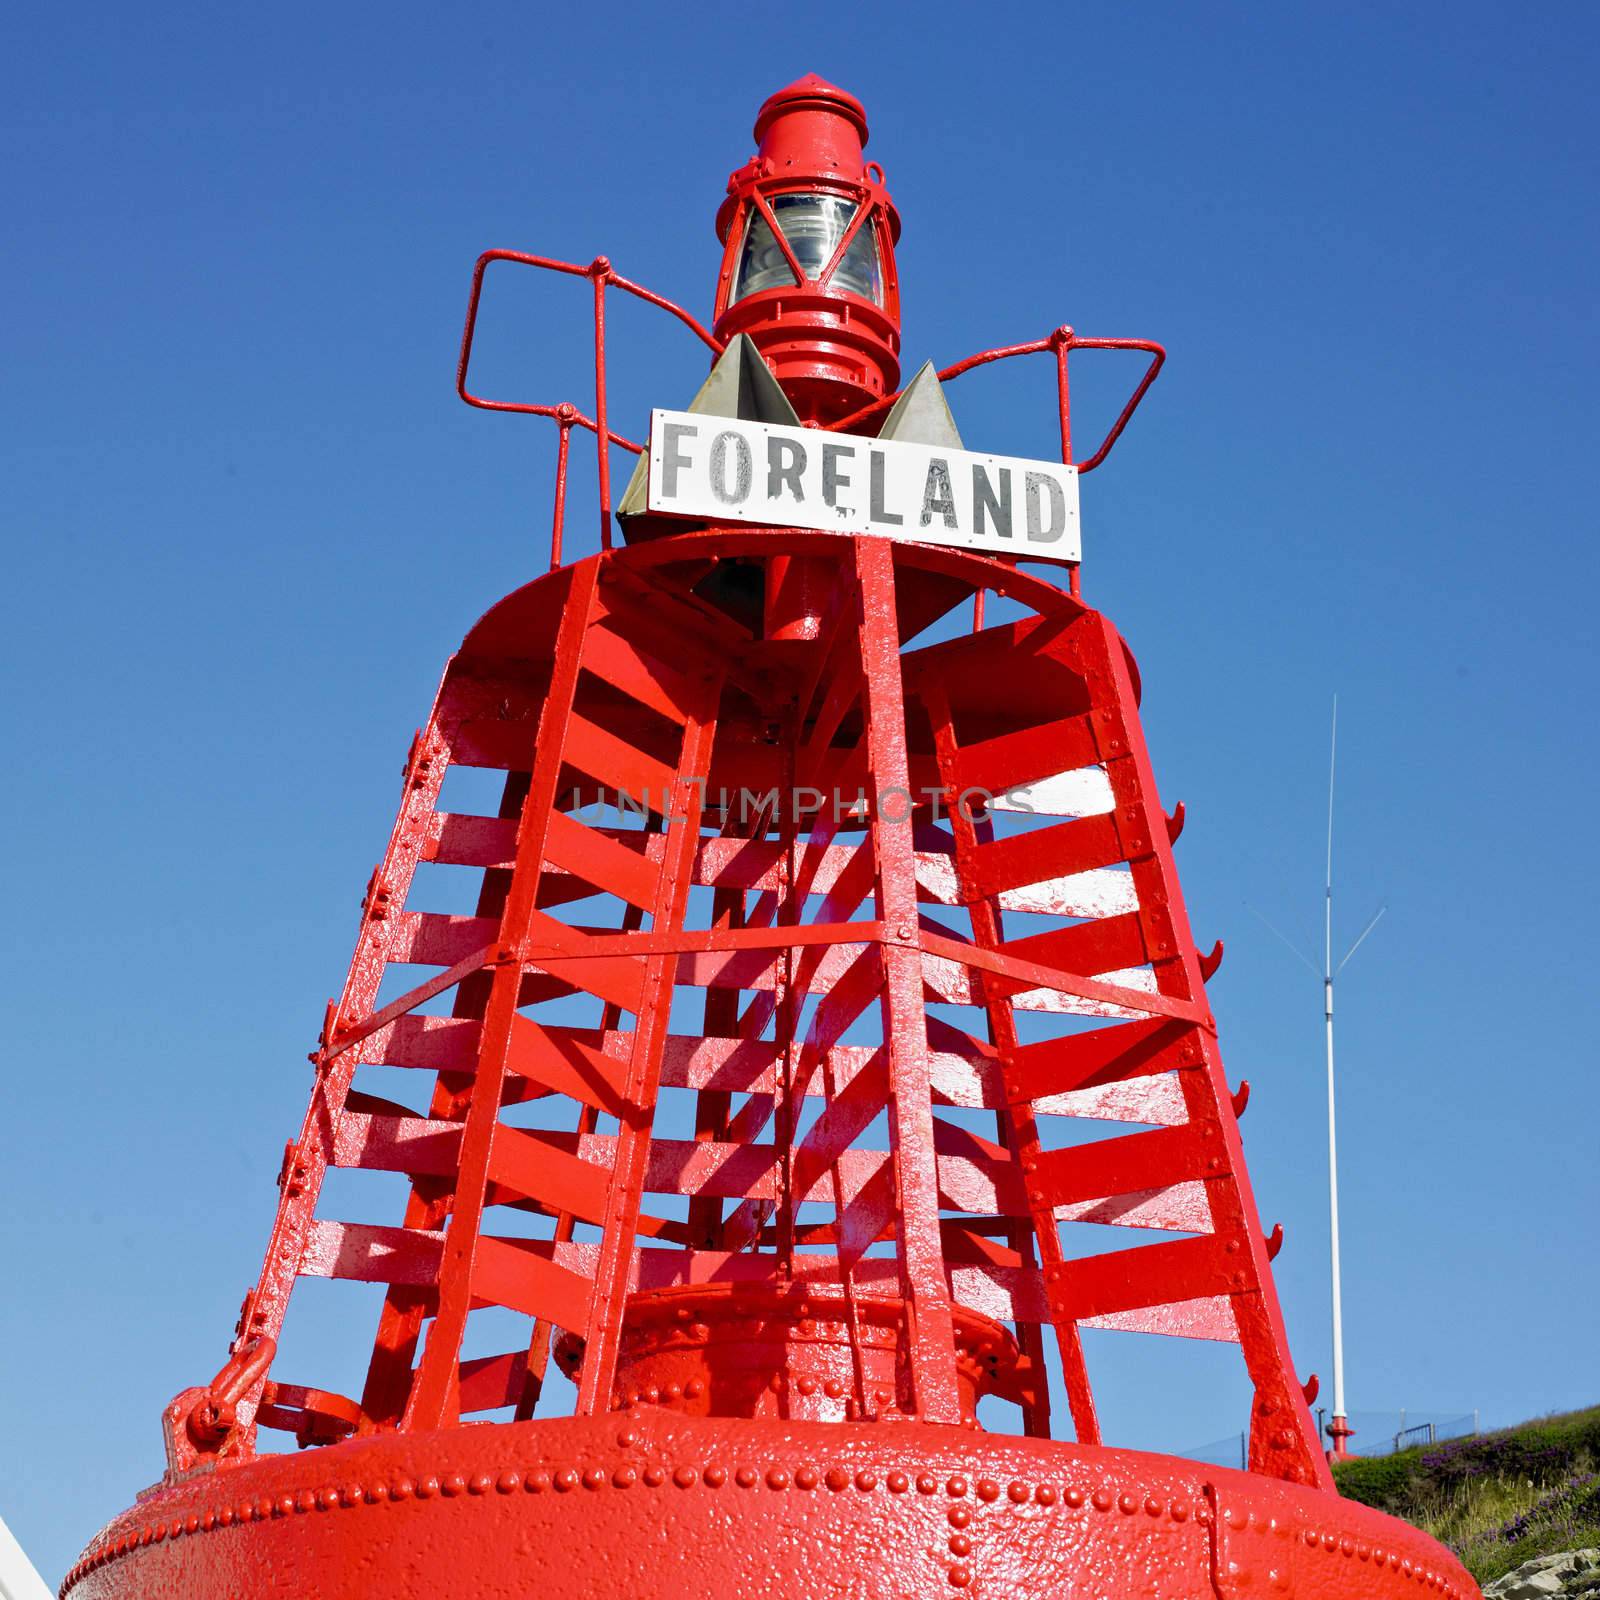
<point>246,520</point>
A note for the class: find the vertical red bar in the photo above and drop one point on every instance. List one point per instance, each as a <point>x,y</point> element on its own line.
<point>601,270</point>
<point>434,1394</point>
<point>609,1295</point>
<point>1063,398</point>
<point>1063,344</point>
<point>929,1329</point>
<point>558,521</point>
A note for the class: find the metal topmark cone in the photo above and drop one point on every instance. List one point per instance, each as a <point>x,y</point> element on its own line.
<point>826,945</point>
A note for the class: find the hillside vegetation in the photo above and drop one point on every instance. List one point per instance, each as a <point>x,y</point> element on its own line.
<point>1498,1499</point>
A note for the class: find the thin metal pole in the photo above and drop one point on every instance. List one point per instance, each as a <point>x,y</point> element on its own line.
<point>1339,1428</point>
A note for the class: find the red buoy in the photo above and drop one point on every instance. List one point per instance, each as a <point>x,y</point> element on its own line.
<point>826,942</point>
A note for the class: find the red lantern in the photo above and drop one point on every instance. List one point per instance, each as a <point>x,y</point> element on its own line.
<point>808,267</point>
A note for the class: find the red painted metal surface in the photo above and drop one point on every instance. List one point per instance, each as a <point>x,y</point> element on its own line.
<point>826,994</point>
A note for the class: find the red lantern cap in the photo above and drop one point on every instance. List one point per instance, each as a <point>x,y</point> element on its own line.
<point>814,127</point>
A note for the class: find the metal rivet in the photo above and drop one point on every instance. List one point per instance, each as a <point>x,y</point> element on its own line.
<point>866,1480</point>
<point>715,1476</point>
<point>624,1477</point>
<point>452,1483</point>
<point>593,1477</point>
<point>898,1482</point>
<point>960,1544</point>
<point>565,1480</point>
<point>777,1478</point>
<point>654,1477</point>
<point>960,1577</point>
<point>536,1482</point>
<point>1102,1500</point>
<point>960,1517</point>
<point>1017,1492</point>
<point>805,1478</point>
<point>927,1483</point>
<point>837,1478</point>
<point>988,1489</point>
<point>745,1477</point>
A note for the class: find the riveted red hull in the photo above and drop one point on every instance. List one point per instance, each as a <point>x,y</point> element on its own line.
<point>654,1505</point>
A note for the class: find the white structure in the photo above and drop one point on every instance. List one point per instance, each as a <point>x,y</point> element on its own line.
<point>1329,972</point>
<point>18,1578</point>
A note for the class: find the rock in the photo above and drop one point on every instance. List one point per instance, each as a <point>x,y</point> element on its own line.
<point>1547,1577</point>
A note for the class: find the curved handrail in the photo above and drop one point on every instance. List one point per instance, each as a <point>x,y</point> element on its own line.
<point>601,274</point>
<point>1062,342</point>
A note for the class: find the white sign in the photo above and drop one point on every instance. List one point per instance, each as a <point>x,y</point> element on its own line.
<point>728,470</point>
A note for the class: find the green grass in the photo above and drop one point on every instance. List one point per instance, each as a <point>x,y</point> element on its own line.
<point>1497,1499</point>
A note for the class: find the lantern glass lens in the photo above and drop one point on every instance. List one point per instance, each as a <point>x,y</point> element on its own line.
<point>763,264</point>
<point>813,224</point>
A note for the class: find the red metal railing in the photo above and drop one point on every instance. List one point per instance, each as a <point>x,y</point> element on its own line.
<point>566,415</point>
<point>1060,344</point>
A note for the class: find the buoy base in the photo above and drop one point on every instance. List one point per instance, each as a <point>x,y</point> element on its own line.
<point>655,1506</point>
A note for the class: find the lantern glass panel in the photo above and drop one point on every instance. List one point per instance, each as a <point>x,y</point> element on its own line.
<point>813,224</point>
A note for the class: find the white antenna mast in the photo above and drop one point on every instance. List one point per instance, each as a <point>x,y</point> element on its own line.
<point>1339,1428</point>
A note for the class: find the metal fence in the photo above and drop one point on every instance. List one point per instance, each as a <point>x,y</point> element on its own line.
<point>1233,1451</point>
<point>1384,1433</point>
<point>1377,1433</point>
